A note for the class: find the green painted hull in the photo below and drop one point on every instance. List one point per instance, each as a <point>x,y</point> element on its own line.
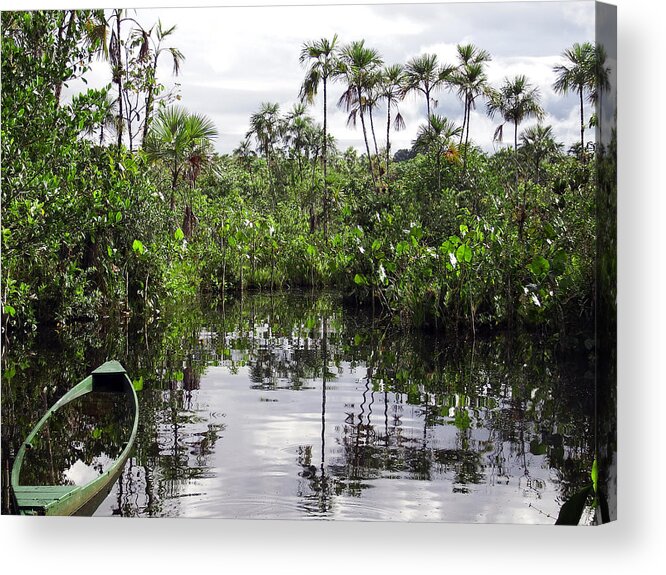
<point>76,499</point>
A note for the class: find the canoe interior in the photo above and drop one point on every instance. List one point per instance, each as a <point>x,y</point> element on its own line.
<point>77,450</point>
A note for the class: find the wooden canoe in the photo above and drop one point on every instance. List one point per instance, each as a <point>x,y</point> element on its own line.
<point>45,492</point>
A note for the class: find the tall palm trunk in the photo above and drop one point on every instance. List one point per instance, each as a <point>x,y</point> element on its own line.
<point>174,183</point>
<point>466,130</point>
<point>599,122</point>
<point>388,134</point>
<point>149,102</point>
<point>582,125</point>
<point>121,120</point>
<point>325,162</point>
<point>462,132</point>
<point>374,139</point>
<point>515,136</point>
<point>365,139</point>
<point>267,153</point>
<point>372,129</point>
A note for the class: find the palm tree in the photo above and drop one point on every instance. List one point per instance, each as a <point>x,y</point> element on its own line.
<point>266,127</point>
<point>117,48</point>
<point>358,67</point>
<point>577,74</point>
<point>244,153</point>
<point>436,137</point>
<point>321,57</point>
<point>157,50</point>
<point>297,134</point>
<point>369,100</point>
<point>471,80</point>
<point>182,142</point>
<point>515,101</point>
<point>424,74</point>
<point>538,143</point>
<point>392,92</point>
<point>117,67</point>
<point>600,75</point>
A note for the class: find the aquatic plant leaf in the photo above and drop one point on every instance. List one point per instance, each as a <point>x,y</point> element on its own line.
<point>137,384</point>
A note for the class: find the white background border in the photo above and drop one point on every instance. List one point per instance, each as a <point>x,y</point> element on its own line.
<point>632,544</point>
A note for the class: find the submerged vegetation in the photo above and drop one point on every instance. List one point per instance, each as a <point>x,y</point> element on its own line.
<point>115,200</point>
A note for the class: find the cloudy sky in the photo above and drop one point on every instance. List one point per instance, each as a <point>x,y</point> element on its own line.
<point>239,57</point>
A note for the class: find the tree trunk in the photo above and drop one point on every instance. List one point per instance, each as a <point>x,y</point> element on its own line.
<point>582,126</point>
<point>325,162</point>
<point>174,182</point>
<point>372,129</point>
<point>121,120</point>
<point>388,134</point>
<point>149,103</point>
<point>462,133</point>
<point>468,113</point>
<point>515,137</point>
<point>365,139</point>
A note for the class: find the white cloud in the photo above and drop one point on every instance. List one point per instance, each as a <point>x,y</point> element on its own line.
<point>237,58</point>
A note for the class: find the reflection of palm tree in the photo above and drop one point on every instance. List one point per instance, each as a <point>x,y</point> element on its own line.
<point>324,353</point>
<point>600,83</point>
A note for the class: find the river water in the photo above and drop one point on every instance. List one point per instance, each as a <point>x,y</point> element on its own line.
<point>293,406</point>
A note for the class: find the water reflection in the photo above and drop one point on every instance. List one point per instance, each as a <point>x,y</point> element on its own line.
<point>292,406</point>
<point>80,441</point>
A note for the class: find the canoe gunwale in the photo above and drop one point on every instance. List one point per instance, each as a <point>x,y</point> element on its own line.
<point>72,502</point>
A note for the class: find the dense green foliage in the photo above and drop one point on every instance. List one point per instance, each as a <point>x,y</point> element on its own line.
<point>451,238</point>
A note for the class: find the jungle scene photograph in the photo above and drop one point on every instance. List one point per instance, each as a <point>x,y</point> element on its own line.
<point>350,262</point>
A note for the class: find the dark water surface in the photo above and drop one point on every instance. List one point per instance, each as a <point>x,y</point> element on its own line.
<point>292,407</point>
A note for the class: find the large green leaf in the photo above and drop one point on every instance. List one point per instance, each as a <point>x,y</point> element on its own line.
<point>539,266</point>
<point>137,246</point>
<point>464,253</point>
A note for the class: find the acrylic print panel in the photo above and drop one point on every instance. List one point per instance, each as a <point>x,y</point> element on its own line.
<point>354,262</point>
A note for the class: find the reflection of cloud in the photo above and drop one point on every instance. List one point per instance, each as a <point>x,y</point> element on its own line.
<point>81,473</point>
